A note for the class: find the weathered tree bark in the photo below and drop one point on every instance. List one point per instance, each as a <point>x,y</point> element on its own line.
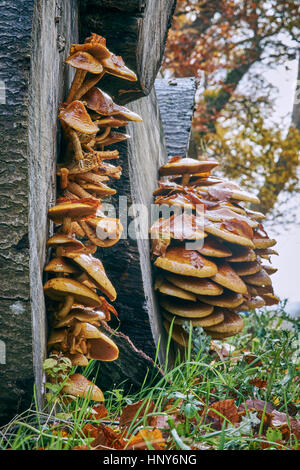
<point>176,99</point>
<point>137,32</point>
<point>34,39</point>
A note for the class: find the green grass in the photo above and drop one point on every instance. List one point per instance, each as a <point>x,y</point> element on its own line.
<point>197,379</point>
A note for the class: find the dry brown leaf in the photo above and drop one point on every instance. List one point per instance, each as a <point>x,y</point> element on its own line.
<point>107,438</point>
<point>131,414</point>
<point>226,408</point>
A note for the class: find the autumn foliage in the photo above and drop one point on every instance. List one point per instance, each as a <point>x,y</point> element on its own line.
<point>228,45</point>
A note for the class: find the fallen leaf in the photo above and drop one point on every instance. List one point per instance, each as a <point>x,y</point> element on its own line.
<point>146,438</point>
<point>107,438</point>
<point>131,414</point>
<point>226,408</point>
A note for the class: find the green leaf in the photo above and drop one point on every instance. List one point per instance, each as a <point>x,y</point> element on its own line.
<point>273,435</point>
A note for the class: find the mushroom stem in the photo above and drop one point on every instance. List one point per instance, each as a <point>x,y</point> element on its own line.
<point>78,153</point>
<point>66,227</point>
<point>68,303</point>
<point>76,84</point>
<point>185,179</point>
<point>103,136</point>
<point>85,87</point>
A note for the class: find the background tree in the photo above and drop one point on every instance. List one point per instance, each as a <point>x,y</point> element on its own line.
<point>222,43</point>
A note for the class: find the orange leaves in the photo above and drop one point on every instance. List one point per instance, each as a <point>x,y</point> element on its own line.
<point>225,409</point>
<point>147,439</point>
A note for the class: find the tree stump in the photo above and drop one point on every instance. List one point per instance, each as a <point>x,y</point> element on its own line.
<point>34,39</point>
<point>136,30</point>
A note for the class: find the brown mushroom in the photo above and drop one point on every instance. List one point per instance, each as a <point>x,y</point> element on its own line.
<point>186,262</point>
<point>79,386</point>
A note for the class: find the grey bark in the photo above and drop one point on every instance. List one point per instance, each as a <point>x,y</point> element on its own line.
<point>137,33</point>
<point>35,37</point>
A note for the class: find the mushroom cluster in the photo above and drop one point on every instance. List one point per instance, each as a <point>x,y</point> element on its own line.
<point>211,254</point>
<point>77,284</point>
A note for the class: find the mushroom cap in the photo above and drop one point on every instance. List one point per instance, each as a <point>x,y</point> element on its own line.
<point>231,325</point>
<point>269,269</point>
<point>116,66</point>
<point>185,308</point>
<point>214,248</point>
<point>226,300</point>
<point>76,116</point>
<point>262,242</point>
<point>108,229</point>
<point>112,121</point>
<point>212,319</point>
<point>222,214</point>
<point>78,386</point>
<point>100,102</point>
<point>102,349</point>
<point>113,138</point>
<point>230,231</point>
<point>100,189</point>
<point>77,359</point>
<point>176,199</point>
<point>265,252</point>
<point>84,61</point>
<point>66,240</point>
<point>228,190</point>
<point>186,262</point>
<point>94,45</point>
<point>247,268</point>
<point>82,314</point>
<point>180,227</point>
<point>270,299</point>
<point>95,269</point>
<point>89,331</point>
<point>60,287</point>
<point>261,278</point>
<point>227,277</point>
<point>195,285</point>
<point>73,209</point>
<point>251,304</point>
<point>60,265</point>
<point>167,288</point>
<point>241,254</point>
<point>180,166</point>
<point>255,215</point>
<point>179,335</point>
<point>125,113</point>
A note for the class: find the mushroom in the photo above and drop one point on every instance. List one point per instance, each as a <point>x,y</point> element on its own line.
<point>230,326</point>
<point>186,262</point>
<point>84,63</point>
<point>70,291</point>
<point>212,319</point>
<point>185,167</point>
<point>78,386</point>
<point>185,308</point>
<point>100,102</point>
<point>165,287</point>
<point>95,270</point>
<point>76,116</point>
<point>228,278</point>
<point>178,334</point>
<point>195,285</point>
